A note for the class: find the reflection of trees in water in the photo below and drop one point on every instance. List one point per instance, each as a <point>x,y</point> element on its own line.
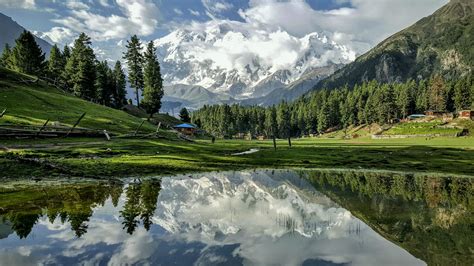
<point>69,203</point>
<point>434,191</point>
<point>431,217</point>
<point>140,204</point>
<point>75,204</point>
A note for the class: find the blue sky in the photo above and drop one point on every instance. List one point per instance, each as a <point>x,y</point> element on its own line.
<point>358,24</point>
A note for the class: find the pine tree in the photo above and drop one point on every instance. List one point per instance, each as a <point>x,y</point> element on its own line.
<point>462,94</point>
<point>103,84</point>
<point>56,64</point>
<point>437,93</point>
<point>134,59</point>
<point>323,118</point>
<point>271,125</point>
<point>65,79</point>
<point>184,115</point>
<point>153,83</point>
<point>5,59</point>
<point>27,57</point>
<point>120,83</point>
<point>284,121</point>
<point>81,70</point>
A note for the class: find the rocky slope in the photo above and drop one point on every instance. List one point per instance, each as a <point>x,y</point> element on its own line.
<point>438,44</point>
<point>10,31</point>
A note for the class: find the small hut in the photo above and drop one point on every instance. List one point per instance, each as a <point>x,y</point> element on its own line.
<point>466,114</point>
<point>186,129</point>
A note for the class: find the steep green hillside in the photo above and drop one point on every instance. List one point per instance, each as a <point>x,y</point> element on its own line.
<point>438,44</point>
<point>33,104</point>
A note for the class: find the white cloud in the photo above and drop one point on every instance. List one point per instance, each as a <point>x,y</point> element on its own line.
<point>362,26</point>
<point>27,4</point>
<point>178,11</point>
<point>104,3</point>
<point>59,35</point>
<point>139,17</point>
<point>194,12</point>
<point>76,5</point>
<point>253,52</point>
<point>215,7</point>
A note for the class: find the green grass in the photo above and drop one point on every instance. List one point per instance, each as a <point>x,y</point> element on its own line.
<point>34,104</point>
<point>422,128</point>
<point>121,158</point>
<point>97,158</point>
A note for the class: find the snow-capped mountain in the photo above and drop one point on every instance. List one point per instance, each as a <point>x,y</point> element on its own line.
<point>243,61</point>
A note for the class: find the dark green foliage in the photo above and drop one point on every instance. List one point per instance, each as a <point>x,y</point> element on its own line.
<point>5,59</point>
<point>135,59</point>
<point>27,56</point>
<point>56,64</point>
<point>104,84</point>
<point>120,93</point>
<point>437,94</point>
<point>462,94</point>
<point>283,120</point>
<point>153,83</point>
<point>325,110</point>
<point>81,70</point>
<point>184,115</point>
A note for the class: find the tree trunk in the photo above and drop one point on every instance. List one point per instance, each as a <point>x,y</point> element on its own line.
<point>274,142</point>
<point>138,98</point>
<point>289,141</point>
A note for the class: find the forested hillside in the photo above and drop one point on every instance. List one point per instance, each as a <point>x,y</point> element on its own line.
<point>438,44</point>
<point>371,102</point>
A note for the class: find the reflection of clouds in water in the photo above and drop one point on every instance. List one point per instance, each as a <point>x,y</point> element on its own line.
<point>273,224</point>
<point>217,218</point>
<point>137,247</point>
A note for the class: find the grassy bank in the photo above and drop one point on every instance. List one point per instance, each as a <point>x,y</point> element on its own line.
<point>122,157</point>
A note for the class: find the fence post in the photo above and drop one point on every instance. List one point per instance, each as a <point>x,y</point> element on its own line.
<point>77,123</point>
<point>138,128</point>
<point>41,129</point>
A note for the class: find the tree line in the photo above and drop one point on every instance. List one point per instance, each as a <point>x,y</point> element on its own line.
<point>324,110</point>
<point>77,70</point>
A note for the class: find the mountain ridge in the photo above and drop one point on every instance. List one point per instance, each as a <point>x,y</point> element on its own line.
<point>10,30</point>
<point>437,44</point>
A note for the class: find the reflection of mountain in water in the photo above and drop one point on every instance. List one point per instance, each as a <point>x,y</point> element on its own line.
<point>250,217</point>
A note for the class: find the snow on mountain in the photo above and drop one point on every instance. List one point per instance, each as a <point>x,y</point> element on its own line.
<point>246,204</point>
<point>242,60</point>
<point>266,218</point>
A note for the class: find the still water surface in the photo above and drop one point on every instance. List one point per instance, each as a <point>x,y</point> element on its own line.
<point>247,217</point>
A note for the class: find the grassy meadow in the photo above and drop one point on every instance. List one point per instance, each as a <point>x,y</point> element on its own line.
<point>33,104</point>
<point>97,158</point>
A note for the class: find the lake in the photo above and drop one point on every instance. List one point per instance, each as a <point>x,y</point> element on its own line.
<point>255,217</point>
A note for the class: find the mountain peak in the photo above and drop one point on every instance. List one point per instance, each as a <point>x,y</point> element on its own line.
<point>10,30</point>
<point>438,44</point>
<point>229,57</point>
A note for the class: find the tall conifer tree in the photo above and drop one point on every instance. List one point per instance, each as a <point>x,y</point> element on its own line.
<point>153,83</point>
<point>80,68</point>
<point>134,58</point>
<point>27,57</point>
<point>120,83</point>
